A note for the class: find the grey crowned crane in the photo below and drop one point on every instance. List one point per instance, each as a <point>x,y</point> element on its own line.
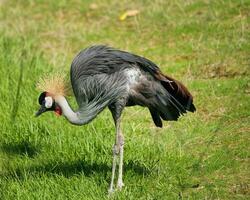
<point>105,77</point>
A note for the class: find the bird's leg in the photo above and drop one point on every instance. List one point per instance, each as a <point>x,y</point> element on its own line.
<point>115,153</point>
<point>116,110</point>
<point>121,144</point>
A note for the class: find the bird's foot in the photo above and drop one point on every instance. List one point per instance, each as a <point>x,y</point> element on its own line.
<point>110,191</point>
<point>120,184</point>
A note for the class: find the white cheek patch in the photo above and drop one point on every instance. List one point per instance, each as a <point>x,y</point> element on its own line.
<point>48,102</point>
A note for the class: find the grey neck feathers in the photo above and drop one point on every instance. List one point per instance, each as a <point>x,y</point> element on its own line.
<point>104,95</point>
<point>72,116</point>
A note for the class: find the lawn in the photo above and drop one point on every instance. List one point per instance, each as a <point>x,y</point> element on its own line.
<point>205,155</point>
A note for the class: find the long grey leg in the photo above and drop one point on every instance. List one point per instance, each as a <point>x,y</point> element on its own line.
<point>116,110</point>
<point>115,149</point>
<point>121,144</point>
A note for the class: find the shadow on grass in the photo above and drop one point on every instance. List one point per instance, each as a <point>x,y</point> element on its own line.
<point>74,168</point>
<point>23,148</point>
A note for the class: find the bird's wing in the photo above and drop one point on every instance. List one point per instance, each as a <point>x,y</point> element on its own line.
<point>180,96</point>
<point>105,60</point>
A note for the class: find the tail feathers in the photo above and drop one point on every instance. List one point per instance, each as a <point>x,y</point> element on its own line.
<point>177,100</point>
<point>156,118</point>
<point>180,96</point>
<point>170,114</point>
<point>163,111</point>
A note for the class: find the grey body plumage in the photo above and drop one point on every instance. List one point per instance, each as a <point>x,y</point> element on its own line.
<point>105,77</point>
<point>100,76</point>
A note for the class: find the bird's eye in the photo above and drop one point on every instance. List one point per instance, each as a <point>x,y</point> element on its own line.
<point>48,102</point>
<point>41,98</point>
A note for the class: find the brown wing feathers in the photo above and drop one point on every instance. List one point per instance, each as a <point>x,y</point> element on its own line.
<point>180,98</point>
<point>180,95</point>
<point>178,91</point>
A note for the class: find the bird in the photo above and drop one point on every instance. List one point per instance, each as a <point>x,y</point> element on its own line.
<point>106,77</point>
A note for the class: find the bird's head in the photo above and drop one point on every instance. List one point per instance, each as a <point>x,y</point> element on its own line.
<point>48,103</point>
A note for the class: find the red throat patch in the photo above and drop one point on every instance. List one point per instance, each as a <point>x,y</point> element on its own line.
<point>58,111</point>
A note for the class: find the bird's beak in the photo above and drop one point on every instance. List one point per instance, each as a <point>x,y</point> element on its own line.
<point>40,111</point>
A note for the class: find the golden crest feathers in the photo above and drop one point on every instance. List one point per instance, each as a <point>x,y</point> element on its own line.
<point>54,84</point>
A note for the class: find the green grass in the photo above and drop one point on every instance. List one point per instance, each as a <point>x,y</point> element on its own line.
<point>205,155</point>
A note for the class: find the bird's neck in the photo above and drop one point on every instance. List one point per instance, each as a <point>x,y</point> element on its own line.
<point>72,116</point>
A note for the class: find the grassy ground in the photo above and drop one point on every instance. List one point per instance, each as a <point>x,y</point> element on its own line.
<point>205,155</point>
